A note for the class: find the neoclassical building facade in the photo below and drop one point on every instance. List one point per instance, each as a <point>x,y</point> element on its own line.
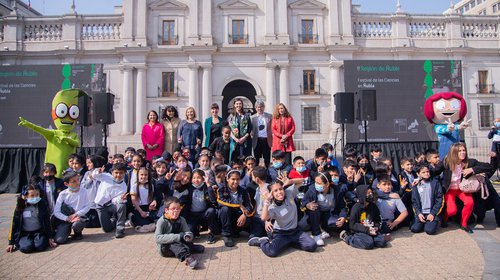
<point>197,52</point>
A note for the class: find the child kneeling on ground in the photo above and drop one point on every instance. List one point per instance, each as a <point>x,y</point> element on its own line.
<point>71,206</point>
<point>427,200</point>
<point>280,206</point>
<point>364,222</point>
<point>173,237</point>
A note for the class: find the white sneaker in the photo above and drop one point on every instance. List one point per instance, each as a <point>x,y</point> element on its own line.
<point>128,223</point>
<point>319,241</point>
<point>151,227</point>
<point>325,235</point>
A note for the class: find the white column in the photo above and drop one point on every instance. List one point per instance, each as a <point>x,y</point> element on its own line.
<point>333,15</point>
<point>270,88</point>
<point>270,18</point>
<point>140,103</point>
<point>207,18</point>
<point>206,98</point>
<point>126,101</point>
<point>284,86</point>
<point>141,22</point>
<point>346,21</point>
<point>193,87</point>
<point>193,18</point>
<point>335,87</point>
<point>128,20</point>
<point>282,17</point>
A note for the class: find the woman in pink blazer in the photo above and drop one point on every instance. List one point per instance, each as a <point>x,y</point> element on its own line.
<point>283,128</point>
<point>153,136</point>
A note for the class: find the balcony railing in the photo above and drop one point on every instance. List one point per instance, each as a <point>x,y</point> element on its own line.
<point>238,38</point>
<point>485,88</point>
<point>308,38</point>
<point>170,41</point>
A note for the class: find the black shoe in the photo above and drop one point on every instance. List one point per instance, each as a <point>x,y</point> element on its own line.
<point>78,236</point>
<point>211,238</point>
<point>197,249</point>
<point>120,234</point>
<point>228,241</point>
<point>466,229</point>
<point>444,224</point>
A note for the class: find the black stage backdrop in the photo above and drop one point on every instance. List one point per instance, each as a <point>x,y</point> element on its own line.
<point>19,164</point>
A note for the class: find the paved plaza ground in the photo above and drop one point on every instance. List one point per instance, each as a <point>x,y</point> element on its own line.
<point>452,254</point>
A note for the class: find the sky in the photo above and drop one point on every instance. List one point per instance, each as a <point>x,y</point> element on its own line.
<point>59,7</point>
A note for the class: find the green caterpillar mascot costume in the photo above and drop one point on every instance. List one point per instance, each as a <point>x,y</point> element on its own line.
<point>61,142</point>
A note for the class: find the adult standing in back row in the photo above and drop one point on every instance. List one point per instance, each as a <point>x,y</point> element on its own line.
<point>262,139</point>
<point>171,122</point>
<point>190,134</point>
<point>283,128</point>
<point>241,127</point>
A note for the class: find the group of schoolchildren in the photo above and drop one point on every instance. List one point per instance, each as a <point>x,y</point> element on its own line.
<point>177,197</point>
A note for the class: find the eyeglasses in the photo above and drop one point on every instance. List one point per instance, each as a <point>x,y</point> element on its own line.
<point>174,209</point>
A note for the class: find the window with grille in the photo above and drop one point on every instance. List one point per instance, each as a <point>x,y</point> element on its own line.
<point>307,36</point>
<point>309,78</point>
<point>310,119</point>
<point>168,88</point>
<point>169,37</point>
<point>485,116</point>
<point>238,35</point>
<point>483,81</point>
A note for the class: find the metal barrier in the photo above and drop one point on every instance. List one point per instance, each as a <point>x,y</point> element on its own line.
<point>478,147</point>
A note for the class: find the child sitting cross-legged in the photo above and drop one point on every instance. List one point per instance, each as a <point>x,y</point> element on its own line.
<point>280,207</point>
<point>172,235</point>
<point>392,210</point>
<point>71,207</point>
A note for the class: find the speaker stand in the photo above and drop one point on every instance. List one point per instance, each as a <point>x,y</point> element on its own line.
<point>105,135</point>
<point>81,136</point>
<point>366,137</point>
<point>342,139</point>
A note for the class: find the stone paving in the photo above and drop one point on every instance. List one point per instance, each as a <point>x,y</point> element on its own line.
<point>452,254</point>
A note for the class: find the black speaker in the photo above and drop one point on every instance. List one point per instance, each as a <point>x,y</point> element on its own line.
<point>366,101</point>
<point>344,107</point>
<point>103,108</point>
<point>85,106</point>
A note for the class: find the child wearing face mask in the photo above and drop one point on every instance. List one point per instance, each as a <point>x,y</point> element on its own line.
<point>50,186</point>
<point>71,207</point>
<point>331,161</point>
<point>278,166</point>
<point>145,201</point>
<point>202,206</point>
<point>318,163</point>
<point>30,230</point>
<point>91,185</point>
<point>366,170</point>
<point>324,203</point>
<point>364,222</point>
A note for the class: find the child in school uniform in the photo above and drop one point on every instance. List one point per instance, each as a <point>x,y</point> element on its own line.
<point>318,163</point>
<point>71,207</point>
<point>78,165</point>
<point>223,144</point>
<point>407,179</point>
<point>366,170</point>
<point>324,203</point>
<point>30,230</point>
<point>331,161</point>
<point>135,164</point>
<point>50,186</point>
<point>203,203</point>
<point>173,237</point>
<point>91,185</point>
<point>180,189</point>
<point>280,207</point>
<point>259,175</point>
<point>392,210</point>
<point>364,222</point>
<point>145,202</point>
<point>427,201</point>
<point>111,199</point>
<point>236,213</point>
<point>278,166</point>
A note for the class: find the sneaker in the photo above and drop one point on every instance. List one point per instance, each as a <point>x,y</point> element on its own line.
<point>151,227</point>
<point>191,262</point>
<point>318,240</point>
<point>228,241</point>
<point>197,249</point>
<point>263,239</point>
<point>128,223</point>
<point>466,229</point>
<point>254,241</point>
<point>444,224</point>
<point>211,238</point>
<point>78,236</point>
<point>325,235</point>
<point>343,235</point>
<point>142,229</point>
<point>120,234</point>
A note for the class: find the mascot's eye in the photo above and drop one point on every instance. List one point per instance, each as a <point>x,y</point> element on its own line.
<point>455,104</point>
<point>61,110</point>
<point>74,112</point>
<point>440,105</point>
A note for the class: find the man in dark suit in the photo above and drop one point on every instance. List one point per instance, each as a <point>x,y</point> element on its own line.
<point>262,137</point>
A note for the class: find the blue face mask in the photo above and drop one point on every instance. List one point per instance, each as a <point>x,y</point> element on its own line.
<point>300,169</point>
<point>33,200</point>
<point>335,181</point>
<point>497,124</point>
<point>197,186</point>
<point>277,164</point>
<point>118,182</point>
<point>73,189</point>
<point>319,188</point>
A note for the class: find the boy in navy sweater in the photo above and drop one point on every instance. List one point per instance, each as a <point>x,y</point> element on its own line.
<point>278,167</point>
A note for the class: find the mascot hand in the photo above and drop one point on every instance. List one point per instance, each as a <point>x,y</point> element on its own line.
<point>22,122</point>
<point>451,125</point>
<point>464,124</point>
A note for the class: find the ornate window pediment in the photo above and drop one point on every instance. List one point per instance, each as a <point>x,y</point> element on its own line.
<point>167,5</point>
<point>307,5</point>
<point>238,4</point>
